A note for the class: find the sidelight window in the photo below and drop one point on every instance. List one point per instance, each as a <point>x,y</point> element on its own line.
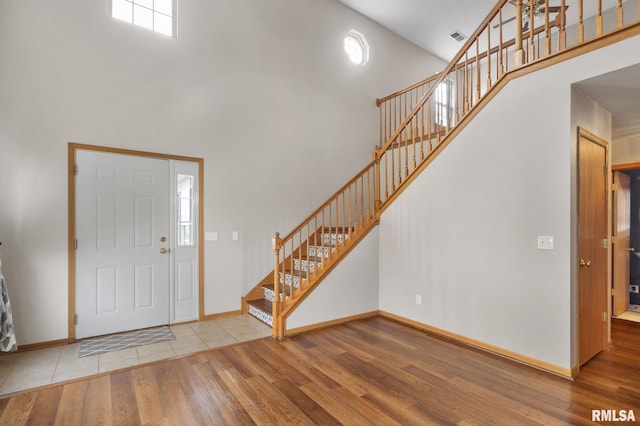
<point>186,210</point>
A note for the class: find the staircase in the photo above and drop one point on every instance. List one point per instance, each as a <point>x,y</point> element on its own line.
<point>319,250</point>
<point>417,123</point>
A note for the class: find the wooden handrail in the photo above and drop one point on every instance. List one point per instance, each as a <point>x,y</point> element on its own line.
<point>333,197</point>
<point>407,89</point>
<point>470,41</point>
<point>356,207</point>
<point>483,55</point>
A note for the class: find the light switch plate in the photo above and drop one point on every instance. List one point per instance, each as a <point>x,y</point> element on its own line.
<point>546,242</point>
<point>234,236</point>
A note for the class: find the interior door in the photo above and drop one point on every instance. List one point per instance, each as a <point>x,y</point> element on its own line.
<point>122,231</point>
<point>592,252</point>
<point>621,247</point>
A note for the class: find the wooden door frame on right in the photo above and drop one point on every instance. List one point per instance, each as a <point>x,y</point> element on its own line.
<point>627,167</point>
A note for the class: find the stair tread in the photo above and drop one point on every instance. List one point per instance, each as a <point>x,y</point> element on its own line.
<point>285,288</point>
<point>295,272</point>
<point>309,258</point>
<point>339,229</point>
<point>262,304</point>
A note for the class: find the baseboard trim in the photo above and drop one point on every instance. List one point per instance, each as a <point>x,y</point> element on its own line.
<point>222,315</point>
<point>39,345</point>
<point>523,359</point>
<point>325,324</point>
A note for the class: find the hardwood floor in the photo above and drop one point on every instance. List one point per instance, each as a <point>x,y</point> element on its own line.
<point>372,371</point>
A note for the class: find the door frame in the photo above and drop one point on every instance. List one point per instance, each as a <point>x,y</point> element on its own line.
<point>606,286</point>
<point>72,148</point>
<point>622,168</point>
<point>621,256</point>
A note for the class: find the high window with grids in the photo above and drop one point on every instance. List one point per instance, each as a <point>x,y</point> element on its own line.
<point>156,15</point>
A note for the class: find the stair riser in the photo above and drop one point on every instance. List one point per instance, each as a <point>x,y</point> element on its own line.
<point>306,265</point>
<point>316,251</point>
<point>286,280</point>
<point>333,238</point>
<point>261,315</point>
<point>270,295</point>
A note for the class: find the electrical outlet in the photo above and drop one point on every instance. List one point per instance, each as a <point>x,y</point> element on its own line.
<point>418,299</point>
<point>634,288</point>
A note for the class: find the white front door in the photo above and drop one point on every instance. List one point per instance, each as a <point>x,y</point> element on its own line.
<point>122,233</point>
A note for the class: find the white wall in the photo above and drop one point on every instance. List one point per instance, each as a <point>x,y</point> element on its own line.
<point>626,150</point>
<point>464,234</point>
<point>261,89</point>
<point>350,289</point>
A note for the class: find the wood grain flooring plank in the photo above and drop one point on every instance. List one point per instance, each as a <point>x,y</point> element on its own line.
<point>285,410</point>
<point>98,402</point>
<point>72,403</point>
<point>148,396</point>
<point>307,405</point>
<point>175,402</point>
<point>520,414</point>
<point>255,404</point>
<point>348,407</point>
<point>18,409</point>
<point>249,353</point>
<point>45,407</point>
<point>296,357</point>
<point>240,361</point>
<point>230,408</point>
<point>197,394</point>
<point>123,411</point>
<point>286,369</point>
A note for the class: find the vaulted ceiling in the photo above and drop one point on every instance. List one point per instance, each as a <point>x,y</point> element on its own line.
<point>428,23</point>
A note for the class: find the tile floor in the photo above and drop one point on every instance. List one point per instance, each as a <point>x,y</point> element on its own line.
<point>26,370</point>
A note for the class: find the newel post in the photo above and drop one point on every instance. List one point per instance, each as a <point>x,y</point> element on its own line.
<point>276,309</point>
<point>518,56</point>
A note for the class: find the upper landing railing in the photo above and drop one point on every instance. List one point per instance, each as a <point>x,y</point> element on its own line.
<point>416,123</point>
<point>502,43</point>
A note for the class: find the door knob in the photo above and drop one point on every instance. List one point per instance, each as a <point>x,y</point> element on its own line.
<point>631,249</point>
<point>163,239</point>
<point>588,263</point>
<point>164,250</point>
<point>582,262</point>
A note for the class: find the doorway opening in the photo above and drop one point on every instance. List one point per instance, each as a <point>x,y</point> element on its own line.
<point>135,240</point>
<point>626,242</point>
